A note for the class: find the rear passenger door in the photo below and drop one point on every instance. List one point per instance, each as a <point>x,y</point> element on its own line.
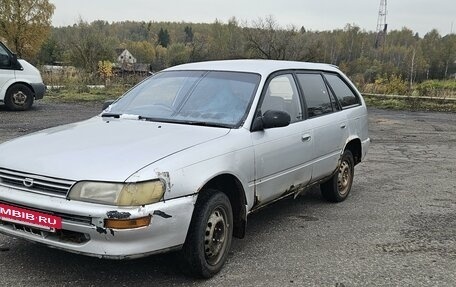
<point>329,124</point>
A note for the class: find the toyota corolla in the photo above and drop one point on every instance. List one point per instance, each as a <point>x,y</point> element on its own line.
<point>182,159</point>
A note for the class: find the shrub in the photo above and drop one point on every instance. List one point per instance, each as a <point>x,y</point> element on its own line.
<point>393,84</point>
<point>434,88</point>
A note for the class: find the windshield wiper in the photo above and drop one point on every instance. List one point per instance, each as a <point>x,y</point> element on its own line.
<point>151,119</point>
<point>110,115</point>
<point>121,116</point>
<point>195,123</point>
<point>206,124</point>
<point>133,117</point>
<point>172,121</point>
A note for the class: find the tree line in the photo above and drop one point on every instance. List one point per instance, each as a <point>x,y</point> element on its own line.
<point>162,44</point>
<point>25,26</point>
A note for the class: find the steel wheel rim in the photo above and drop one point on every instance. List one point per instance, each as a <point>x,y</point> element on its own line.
<point>344,178</point>
<point>19,98</point>
<point>216,235</point>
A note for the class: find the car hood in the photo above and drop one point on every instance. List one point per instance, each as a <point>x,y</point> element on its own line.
<point>101,149</point>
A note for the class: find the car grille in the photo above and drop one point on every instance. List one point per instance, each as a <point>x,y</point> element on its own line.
<point>66,236</point>
<point>35,183</point>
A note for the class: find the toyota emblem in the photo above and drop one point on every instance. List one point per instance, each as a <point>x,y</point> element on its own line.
<point>27,182</point>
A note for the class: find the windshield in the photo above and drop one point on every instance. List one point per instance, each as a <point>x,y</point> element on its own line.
<point>196,97</point>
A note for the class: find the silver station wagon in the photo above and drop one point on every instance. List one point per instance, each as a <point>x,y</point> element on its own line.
<point>181,160</point>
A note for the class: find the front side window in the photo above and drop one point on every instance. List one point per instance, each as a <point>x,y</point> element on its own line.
<point>343,93</point>
<point>282,95</point>
<point>192,97</point>
<point>5,60</point>
<point>316,94</point>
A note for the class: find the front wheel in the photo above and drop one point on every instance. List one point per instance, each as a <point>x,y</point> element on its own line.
<point>19,97</point>
<point>337,188</point>
<point>209,237</point>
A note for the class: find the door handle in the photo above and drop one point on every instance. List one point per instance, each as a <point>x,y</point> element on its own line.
<point>306,138</point>
<point>343,126</point>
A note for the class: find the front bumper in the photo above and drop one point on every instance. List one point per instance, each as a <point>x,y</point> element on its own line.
<point>83,229</point>
<point>39,89</point>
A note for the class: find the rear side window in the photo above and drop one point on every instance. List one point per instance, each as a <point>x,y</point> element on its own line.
<point>316,94</point>
<point>343,93</point>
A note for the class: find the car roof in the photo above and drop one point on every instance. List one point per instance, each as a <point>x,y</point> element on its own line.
<point>263,67</point>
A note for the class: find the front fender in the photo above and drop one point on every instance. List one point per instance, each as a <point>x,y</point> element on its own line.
<point>188,171</point>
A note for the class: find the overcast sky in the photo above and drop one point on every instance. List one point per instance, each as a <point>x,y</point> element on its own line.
<point>419,15</point>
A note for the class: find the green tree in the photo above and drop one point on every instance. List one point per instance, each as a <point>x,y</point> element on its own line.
<point>160,60</point>
<point>177,54</point>
<point>143,51</point>
<point>235,40</point>
<point>51,52</point>
<point>417,65</point>
<point>25,25</point>
<point>218,41</point>
<point>87,46</point>
<point>433,52</point>
<point>352,42</point>
<point>403,37</point>
<point>449,54</point>
<point>199,48</point>
<point>188,34</point>
<point>163,38</point>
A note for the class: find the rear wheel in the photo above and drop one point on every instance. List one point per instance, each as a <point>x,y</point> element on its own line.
<point>19,97</point>
<point>337,188</point>
<point>209,237</point>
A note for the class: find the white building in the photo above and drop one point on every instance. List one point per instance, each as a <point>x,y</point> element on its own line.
<point>125,57</point>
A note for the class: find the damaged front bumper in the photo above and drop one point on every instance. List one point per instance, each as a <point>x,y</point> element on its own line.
<point>83,225</point>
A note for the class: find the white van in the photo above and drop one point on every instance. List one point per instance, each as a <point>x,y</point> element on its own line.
<point>20,82</point>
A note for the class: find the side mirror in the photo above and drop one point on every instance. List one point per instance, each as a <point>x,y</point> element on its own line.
<point>106,104</point>
<point>271,119</point>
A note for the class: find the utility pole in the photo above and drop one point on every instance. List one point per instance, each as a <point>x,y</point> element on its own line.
<point>382,26</point>
<point>412,67</point>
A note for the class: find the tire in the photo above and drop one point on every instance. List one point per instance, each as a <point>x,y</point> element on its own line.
<point>337,188</point>
<point>209,237</point>
<point>19,97</point>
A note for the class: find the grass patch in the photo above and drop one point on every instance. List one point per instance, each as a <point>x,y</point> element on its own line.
<point>83,94</point>
<point>411,104</point>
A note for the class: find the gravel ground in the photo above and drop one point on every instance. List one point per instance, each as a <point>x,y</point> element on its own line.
<point>397,228</point>
<point>41,116</point>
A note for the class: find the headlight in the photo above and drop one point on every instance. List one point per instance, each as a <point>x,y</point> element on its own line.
<point>120,194</point>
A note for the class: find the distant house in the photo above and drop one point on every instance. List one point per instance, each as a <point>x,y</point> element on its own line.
<point>125,57</point>
<point>127,64</point>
